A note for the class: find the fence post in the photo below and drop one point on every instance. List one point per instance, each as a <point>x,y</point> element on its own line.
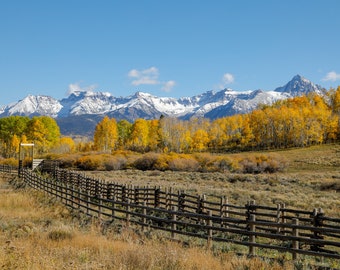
<point>283,217</point>
<point>100,201</point>
<point>128,215</point>
<point>166,198</point>
<point>223,212</point>
<point>173,221</point>
<point>157,197</point>
<point>252,237</point>
<point>131,190</point>
<point>79,197</point>
<point>124,193</point>
<point>317,221</point>
<point>113,206</point>
<point>199,205</point>
<point>72,195</point>
<point>278,216</point>
<point>144,217</point>
<point>181,196</point>
<point>203,200</point>
<point>66,189</point>
<point>136,195</point>
<point>169,199</point>
<point>88,202</point>
<point>295,242</point>
<point>210,234</point>
<point>146,194</point>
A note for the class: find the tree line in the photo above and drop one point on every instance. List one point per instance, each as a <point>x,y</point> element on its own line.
<point>295,122</point>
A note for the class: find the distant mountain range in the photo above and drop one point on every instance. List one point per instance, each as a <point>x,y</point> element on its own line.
<point>79,113</point>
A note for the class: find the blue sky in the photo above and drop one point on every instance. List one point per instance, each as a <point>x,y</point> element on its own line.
<point>166,48</point>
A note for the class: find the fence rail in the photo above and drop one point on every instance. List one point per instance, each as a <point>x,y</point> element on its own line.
<point>254,226</point>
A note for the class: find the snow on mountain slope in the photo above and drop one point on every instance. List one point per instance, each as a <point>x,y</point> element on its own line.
<point>299,85</point>
<point>210,104</point>
<point>34,105</point>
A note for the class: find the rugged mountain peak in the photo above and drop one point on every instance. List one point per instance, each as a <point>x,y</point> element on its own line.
<point>35,105</point>
<point>298,86</point>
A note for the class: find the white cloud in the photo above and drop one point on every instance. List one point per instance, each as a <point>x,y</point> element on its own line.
<point>332,76</point>
<point>146,76</point>
<point>168,86</point>
<point>76,88</point>
<point>228,78</point>
<point>149,76</point>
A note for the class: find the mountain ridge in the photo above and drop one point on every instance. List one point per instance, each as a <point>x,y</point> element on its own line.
<point>88,106</point>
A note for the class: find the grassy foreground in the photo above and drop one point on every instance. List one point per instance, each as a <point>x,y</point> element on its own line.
<point>39,233</point>
<point>311,180</point>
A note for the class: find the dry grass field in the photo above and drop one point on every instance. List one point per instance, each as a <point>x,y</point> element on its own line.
<point>37,232</point>
<point>311,180</point>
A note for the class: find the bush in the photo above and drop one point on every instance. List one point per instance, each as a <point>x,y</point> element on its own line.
<point>184,163</point>
<point>162,163</point>
<point>222,164</point>
<point>9,161</point>
<point>89,163</point>
<point>68,161</point>
<point>262,164</point>
<point>146,162</point>
<point>115,163</point>
<point>206,162</point>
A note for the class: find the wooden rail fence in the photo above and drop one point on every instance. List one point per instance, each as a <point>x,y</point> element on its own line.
<point>216,220</point>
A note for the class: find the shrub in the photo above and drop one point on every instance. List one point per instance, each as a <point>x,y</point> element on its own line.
<point>206,162</point>
<point>184,163</point>
<point>146,162</point>
<point>162,163</point>
<point>222,164</point>
<point>68,161</point>
<point>262,163</point>
<point>89,163</point>
<point>115,163</point>
<point>9,161</point>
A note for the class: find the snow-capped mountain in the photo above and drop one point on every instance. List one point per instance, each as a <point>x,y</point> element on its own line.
<point>299,85</point>
<point>81,111</point>
<point>33,105</point>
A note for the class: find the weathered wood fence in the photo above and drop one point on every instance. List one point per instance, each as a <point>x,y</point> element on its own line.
<point>216,220</point>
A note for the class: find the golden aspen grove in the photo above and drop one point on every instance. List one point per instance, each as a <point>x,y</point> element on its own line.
<point>295,122</point>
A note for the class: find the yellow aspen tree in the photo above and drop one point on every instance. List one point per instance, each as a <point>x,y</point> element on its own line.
<point>10,126</point>
<point>139,137</point>
<point>154,134</point>
<point>259,124</point>
<point>186,142</point>
<point>217,134</point>
<point>36,132</point>
<point>106,134</point>
<point>124,130</point>
<point>171,133</point>
<point>337,99</point>
<point>15,144</point>
<point>67,145</point>
<point>247,135</point>
<point>200,140</point>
